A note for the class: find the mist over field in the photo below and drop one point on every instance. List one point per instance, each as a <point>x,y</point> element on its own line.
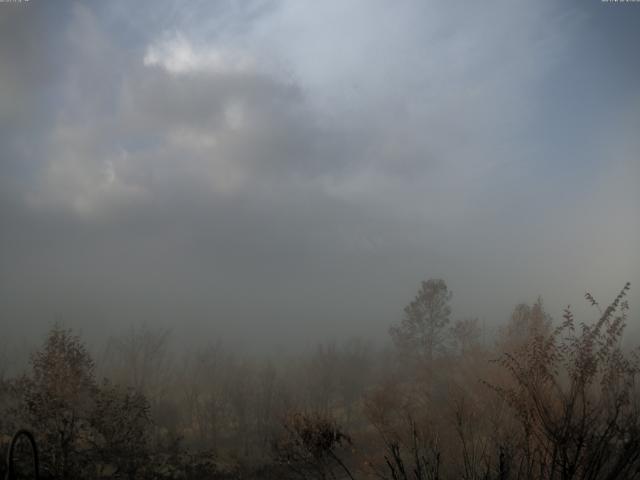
<point>277,181</point>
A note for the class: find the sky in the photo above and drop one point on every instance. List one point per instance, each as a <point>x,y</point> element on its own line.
<point>281,172</point>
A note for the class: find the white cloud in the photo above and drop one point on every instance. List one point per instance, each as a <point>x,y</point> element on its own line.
<point>80,179</point>
<point>178,56</point>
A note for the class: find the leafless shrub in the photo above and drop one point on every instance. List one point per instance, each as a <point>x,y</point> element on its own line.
<point>573,393</point>
<point>416,460</point>
<point>311,447</point>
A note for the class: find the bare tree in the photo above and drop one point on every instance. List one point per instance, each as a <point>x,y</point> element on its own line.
<point>140,360</point>
<point>240,395</point>
<point>353,374</point>
<point>268,403</point>
<point>423,331</point>
<point>526,323</point>
<point>323,377</point>
<point>201,383</point>
<point>465,335</point>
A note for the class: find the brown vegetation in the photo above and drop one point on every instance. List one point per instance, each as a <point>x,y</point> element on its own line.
<point>543,401</point>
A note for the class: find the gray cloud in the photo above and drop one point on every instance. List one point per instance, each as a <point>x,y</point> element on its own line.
<point>278,170</point>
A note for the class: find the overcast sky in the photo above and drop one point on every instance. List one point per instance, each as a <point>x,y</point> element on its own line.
<point>268,171</point>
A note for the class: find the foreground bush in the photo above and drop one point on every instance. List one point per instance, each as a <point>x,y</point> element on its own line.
<point>574,395</point>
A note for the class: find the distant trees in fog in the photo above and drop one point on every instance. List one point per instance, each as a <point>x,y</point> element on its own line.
<point>544,401</point>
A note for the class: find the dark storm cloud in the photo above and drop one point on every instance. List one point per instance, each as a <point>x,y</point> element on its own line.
<point>267,167</point>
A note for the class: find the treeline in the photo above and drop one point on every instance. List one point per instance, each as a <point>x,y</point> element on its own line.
<point>542,400</point>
